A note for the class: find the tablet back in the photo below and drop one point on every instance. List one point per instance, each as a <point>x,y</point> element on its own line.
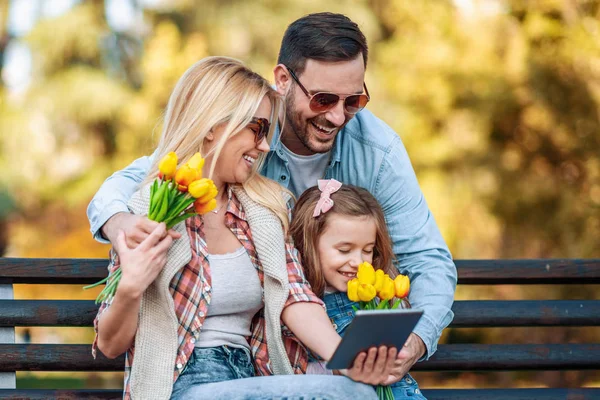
<point>374,328</point>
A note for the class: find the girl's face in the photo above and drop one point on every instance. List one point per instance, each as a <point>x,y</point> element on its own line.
<point>235,163</point>
<point>344,244</point>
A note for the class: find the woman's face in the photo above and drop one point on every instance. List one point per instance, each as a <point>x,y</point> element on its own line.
<point>235,163</point>
<point>344,244</point>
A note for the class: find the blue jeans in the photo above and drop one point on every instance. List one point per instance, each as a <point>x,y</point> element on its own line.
<point>213,364</point>
<point>210,372</point>
<point>283,387</point>
<point>339,310</point>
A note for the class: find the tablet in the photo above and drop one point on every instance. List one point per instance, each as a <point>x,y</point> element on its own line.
<point>374,328</point>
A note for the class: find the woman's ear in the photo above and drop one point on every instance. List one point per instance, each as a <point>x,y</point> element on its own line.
<point>282,79</point>
<point>210,136</point>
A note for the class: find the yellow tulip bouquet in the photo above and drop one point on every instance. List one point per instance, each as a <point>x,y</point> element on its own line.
<point>375,290</point>
<point>177,194</point>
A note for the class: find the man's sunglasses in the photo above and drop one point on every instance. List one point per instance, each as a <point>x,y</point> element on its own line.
<point>260,127</point>
<point>324,101</point>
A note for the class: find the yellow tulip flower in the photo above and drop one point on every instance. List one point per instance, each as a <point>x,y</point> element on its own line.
<point>210,194</point>
<point>366,292</point>
<point>387,291</point>
<point>366,274</point>
<point>200,187</point>
<point>402,286</point>
<point>196,162</point>
<point>168,165</point>
<point>203,208</point>
<point>185,176</point>
<point>353,290</point>
<point>379,278</point>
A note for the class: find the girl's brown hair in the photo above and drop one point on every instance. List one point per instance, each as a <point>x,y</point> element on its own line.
<point>306,230</point>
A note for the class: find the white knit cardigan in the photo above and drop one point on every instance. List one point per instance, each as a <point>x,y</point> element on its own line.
<point>156,341</point>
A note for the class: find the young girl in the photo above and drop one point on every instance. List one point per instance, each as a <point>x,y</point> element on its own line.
<point>336,227</point>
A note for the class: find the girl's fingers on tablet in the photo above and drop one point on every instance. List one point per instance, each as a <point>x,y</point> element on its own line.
<point>391,359</point>
<point>382,360</point>
<point>370,360</point>
<point>359,361</point>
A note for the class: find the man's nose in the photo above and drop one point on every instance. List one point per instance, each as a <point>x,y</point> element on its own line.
<point>336,115</point>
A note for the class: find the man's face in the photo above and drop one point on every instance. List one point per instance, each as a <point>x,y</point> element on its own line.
<point>306,131</point>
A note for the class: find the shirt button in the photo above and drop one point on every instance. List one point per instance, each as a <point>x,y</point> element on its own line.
<point>334,326</point>
<point>179,365</point>
<point>408,380</point>
<point>283,177</point>
<point>201,314</point>
<point>207,287</point>
<point>193,340</point>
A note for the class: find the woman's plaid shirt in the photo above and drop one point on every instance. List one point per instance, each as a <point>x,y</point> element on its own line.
<point>191,290</point>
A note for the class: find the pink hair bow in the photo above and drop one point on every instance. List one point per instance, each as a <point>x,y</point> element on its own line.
<point>327,187</point>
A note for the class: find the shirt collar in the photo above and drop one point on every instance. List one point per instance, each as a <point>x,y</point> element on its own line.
<point>234,206</point>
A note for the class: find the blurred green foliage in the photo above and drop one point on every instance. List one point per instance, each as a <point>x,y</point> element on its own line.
<point>497,102</point>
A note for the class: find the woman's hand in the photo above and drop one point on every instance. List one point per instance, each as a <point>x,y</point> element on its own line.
<point>373,367</point>
<point>140,266</point>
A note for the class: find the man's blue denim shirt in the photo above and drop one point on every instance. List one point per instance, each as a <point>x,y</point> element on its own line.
<point>366,153</point>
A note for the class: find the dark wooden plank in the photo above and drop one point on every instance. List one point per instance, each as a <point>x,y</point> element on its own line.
<point>451,357</point>
<point>62,394</point>
<point>52,270</point>
<point>512,394</point>
<point>55,357</point>
<point>431,394</point>
<point>494,272</point>
<point>493,313</point>
<point>47,312</point>
<point>471,272</point>
<point>467,313</point>
<point>512,357</point>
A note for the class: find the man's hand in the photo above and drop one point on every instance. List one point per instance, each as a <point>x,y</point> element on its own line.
<point>136,228</point>
<point>413,350</point>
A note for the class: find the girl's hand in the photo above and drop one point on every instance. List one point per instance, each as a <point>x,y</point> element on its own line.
<point>373,367</point>
<point>140,266</point>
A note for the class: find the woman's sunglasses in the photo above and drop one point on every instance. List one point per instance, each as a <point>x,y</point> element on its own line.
<point>324,101</point>
<point>260,127</point>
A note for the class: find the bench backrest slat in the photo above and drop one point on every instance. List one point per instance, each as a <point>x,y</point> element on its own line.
<point>470,272</point>
<point>449,357</point>
<point>467,313</point>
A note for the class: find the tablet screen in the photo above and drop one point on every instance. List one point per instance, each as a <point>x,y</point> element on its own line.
<point>374,328</point>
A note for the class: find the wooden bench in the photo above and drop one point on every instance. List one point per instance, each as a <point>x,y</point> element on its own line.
<point>449,357</point>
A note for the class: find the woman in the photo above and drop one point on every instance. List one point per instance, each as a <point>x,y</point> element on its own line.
<point>227,299</point>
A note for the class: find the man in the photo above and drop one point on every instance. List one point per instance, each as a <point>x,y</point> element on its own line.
<point>320,72</point>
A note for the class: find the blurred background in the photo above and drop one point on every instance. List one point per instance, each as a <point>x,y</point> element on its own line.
<point>497,102</point>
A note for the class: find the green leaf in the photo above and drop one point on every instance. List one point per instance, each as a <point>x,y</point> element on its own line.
<point>178,219</point>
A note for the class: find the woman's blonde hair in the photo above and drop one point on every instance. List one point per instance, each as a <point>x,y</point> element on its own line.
<point>306,230</point>
<point>213,91</point>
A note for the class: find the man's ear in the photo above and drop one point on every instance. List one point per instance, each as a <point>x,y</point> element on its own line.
<point>282,79</point>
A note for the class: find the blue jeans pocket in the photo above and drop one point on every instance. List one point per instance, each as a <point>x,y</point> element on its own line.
<point>213,364</point>
<point>407,388</point>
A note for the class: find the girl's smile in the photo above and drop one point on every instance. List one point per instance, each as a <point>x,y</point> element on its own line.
<point>344,244</point>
